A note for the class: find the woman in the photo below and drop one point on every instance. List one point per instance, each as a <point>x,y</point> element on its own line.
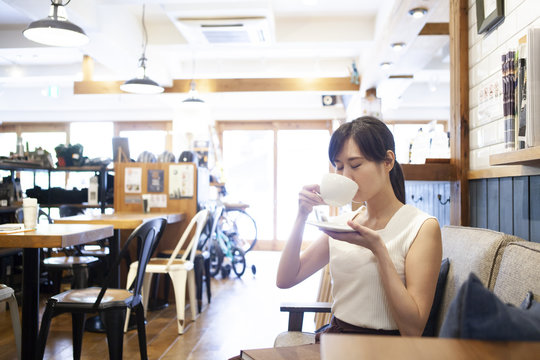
<point>385,272</point>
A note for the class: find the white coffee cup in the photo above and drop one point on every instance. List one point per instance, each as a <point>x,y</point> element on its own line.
<point>30,213</point>
<point>337,190</point>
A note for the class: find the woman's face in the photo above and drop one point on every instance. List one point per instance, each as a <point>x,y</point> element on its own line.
<point>369,175</point>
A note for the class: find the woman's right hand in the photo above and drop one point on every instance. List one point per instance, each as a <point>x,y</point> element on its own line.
<point>308,198</point>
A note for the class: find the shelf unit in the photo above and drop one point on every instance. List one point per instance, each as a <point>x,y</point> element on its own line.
<point>527,157</point>
<point>101,171</point>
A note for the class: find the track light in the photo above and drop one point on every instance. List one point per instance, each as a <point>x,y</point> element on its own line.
<point>56,30</point>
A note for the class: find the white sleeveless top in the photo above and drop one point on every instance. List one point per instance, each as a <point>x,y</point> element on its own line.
<point>359,297</point>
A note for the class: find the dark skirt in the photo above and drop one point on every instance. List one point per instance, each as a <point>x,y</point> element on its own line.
<point>337,326</point>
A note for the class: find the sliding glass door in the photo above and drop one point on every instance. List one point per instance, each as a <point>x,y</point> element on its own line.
<point>266,165</point>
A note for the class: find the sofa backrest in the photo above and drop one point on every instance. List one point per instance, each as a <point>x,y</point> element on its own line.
<point>519,272</point>
<point>469,250</point>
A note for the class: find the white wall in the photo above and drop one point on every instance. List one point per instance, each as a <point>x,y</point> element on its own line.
<point>487,135</point>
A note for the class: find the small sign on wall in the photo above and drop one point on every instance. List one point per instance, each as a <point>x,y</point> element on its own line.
<point>156,180</point>
<point>181,181</point>
<point>132,180</point>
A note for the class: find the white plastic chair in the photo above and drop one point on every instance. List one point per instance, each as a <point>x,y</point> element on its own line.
<point>7,294</point>
<point>180,270</point>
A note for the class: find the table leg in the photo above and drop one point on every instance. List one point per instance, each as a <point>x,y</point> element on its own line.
<point>114,251</point>
<point>30,302</point>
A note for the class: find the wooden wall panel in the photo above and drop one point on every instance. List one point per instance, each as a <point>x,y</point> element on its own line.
<point>424,196</point>
<point>521,207</point>
<point>512,205</point>
<point>534,207</point>
<point>493,204</point>
<point>481,204</point>
<point>506,205</point>
<point>188,206</point>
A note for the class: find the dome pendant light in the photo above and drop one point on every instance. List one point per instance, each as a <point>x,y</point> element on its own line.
<point>56,30</point>
<point>193,94</point>
<point>142,84</point>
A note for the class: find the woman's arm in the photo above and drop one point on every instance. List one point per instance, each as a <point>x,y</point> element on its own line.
<point>293,266</point>
<point>410,304</point>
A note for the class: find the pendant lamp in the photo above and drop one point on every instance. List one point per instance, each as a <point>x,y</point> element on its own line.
<point>142,84</point>
<point>56,30</point>
<point>193,95</point>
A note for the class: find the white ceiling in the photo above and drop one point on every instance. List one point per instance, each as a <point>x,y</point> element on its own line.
<point>307,38</point>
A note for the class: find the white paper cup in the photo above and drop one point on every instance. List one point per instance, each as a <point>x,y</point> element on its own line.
<point>337,190</point>
<point>30,213</point>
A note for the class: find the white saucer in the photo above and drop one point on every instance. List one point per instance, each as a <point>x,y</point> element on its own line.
<point>331,226</point>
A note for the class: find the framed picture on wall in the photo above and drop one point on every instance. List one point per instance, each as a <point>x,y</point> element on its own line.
<point>489,14</point>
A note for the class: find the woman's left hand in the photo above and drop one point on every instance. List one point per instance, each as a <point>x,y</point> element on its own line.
<point>362,236</point>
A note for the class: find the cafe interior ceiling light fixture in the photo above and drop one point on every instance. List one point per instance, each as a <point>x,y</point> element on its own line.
<point>56,30</point>
<point>385,65</point>
<point>397,46</point>
<point>142,84</point>
<point>418,13</point>
<point>193,94</point>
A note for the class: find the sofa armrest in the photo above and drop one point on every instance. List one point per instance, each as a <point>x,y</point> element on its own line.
<point>296,312</point>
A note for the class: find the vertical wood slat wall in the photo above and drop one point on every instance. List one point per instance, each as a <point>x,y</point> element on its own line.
<point>510,205</point>
<point>423,195</point>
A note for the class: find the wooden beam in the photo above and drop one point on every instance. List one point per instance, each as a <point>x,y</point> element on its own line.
<point>88,68</point>
<point>459,111</point>
<point>230,85</point>
<point>435,29</point>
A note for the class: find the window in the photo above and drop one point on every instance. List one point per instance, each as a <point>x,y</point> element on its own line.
<point>145,140</point>
<point>8,143</point>
<point>266,164</point>
<point>249,174</point>
<point>95,137</point>
<point>302,160</point>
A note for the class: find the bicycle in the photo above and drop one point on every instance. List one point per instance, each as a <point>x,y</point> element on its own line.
<point>231,234</point>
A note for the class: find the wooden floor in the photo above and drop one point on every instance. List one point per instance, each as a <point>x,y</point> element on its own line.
<point>244,314</point>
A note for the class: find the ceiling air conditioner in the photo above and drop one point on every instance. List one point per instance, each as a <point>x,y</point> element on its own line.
<point>245,30</point>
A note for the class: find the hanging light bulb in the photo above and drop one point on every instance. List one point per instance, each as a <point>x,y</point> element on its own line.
<point>56,30</point>
<point>142,84</point>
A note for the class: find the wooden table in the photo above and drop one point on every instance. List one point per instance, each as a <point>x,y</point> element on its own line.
<point>360,347</point>
<point>120,221</point>
<point>45,236</point>
<point>345,347</point>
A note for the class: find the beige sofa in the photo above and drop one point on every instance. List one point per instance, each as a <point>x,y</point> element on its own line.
<point>507,265</point>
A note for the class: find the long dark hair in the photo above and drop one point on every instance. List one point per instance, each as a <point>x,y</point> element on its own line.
<point>374,139</point>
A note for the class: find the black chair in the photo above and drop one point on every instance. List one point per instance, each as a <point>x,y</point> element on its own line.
<point>111,304</point>
<point>73,261</point>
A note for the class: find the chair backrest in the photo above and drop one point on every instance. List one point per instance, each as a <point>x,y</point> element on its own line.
<point>69,210</point>
<point>150,234</point>
<point>210,227</point>
<point>19,215</point>
<point>200,219</point>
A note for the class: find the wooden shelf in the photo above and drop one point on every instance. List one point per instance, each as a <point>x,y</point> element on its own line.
<point>528,157</point>
<point>429,172</point>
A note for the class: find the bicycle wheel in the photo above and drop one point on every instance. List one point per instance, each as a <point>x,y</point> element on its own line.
<point>216,258</point>
<point>238,262</point>
<point>240,227</point>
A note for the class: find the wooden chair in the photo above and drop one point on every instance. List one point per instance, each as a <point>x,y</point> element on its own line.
<point>180,270</point>
<point>111,304</point>
<point>7,294</point>
<point>201,263</point>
